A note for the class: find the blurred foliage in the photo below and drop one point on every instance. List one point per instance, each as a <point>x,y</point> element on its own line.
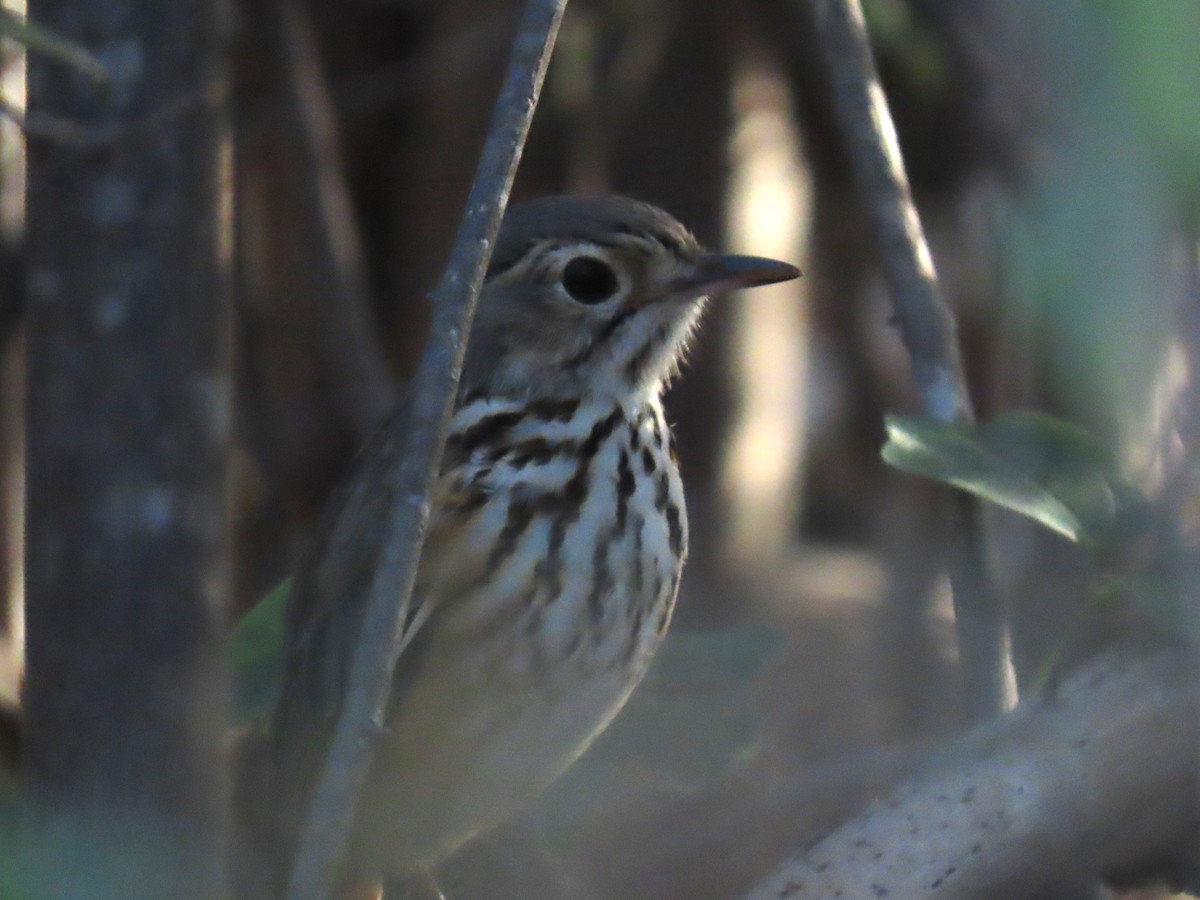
<point>1157,66</point>
<point>919,56</point>
<point>107,855</point>
<point>256,657</point>
<point>1033,464</point>
<point>1063,478</point>
<point>1086,243</point>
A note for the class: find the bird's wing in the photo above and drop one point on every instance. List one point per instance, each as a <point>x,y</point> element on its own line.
<point>325,613</point>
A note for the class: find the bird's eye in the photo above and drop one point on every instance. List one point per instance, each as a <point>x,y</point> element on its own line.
<point>589,280</point>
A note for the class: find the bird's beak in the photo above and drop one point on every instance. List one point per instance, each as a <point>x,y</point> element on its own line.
<point>716,274</point>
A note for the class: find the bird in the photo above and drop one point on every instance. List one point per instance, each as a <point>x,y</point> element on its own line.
<point>556,541</point>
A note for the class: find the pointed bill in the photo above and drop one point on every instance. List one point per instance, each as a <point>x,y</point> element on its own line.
<point>719,274</point>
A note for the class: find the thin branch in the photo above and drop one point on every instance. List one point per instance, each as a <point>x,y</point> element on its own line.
<point>70,134</point>
<point>36,39</point>
<point>370,679</point>
<point>925,321</point>
<point>1101,784</point>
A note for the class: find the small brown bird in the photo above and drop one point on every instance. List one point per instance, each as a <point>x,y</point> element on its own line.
<point>557,537</point>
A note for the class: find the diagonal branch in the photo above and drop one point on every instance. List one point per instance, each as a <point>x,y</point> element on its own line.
<point>330,815</point>
<point>925,321</point>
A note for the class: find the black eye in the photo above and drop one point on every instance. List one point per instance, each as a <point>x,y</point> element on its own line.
<point>589,280</point>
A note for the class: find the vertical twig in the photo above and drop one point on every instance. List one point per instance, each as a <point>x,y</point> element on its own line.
<point>331,813</point>
<point>364,387</point>
<point>926,323</point>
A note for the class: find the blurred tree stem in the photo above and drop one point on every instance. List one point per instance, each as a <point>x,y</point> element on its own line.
<point>347,342</point>
<point>128,425</point>
<point>925,321</point>
<point>327,827</point>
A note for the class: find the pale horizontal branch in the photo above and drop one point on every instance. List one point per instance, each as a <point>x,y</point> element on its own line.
<point>1102,783</point>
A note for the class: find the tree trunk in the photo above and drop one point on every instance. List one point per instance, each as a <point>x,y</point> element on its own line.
<point>128,419</point>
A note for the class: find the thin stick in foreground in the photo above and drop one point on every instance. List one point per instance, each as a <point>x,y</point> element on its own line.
<point>925,321</point>
<point>331,813</point>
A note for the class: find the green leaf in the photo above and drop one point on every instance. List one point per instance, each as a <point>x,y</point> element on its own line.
<point>256,657</point>
<point>1039,466</point>
<point>39,40</point>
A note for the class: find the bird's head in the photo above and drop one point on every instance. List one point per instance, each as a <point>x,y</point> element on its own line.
<point>595,296</point>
